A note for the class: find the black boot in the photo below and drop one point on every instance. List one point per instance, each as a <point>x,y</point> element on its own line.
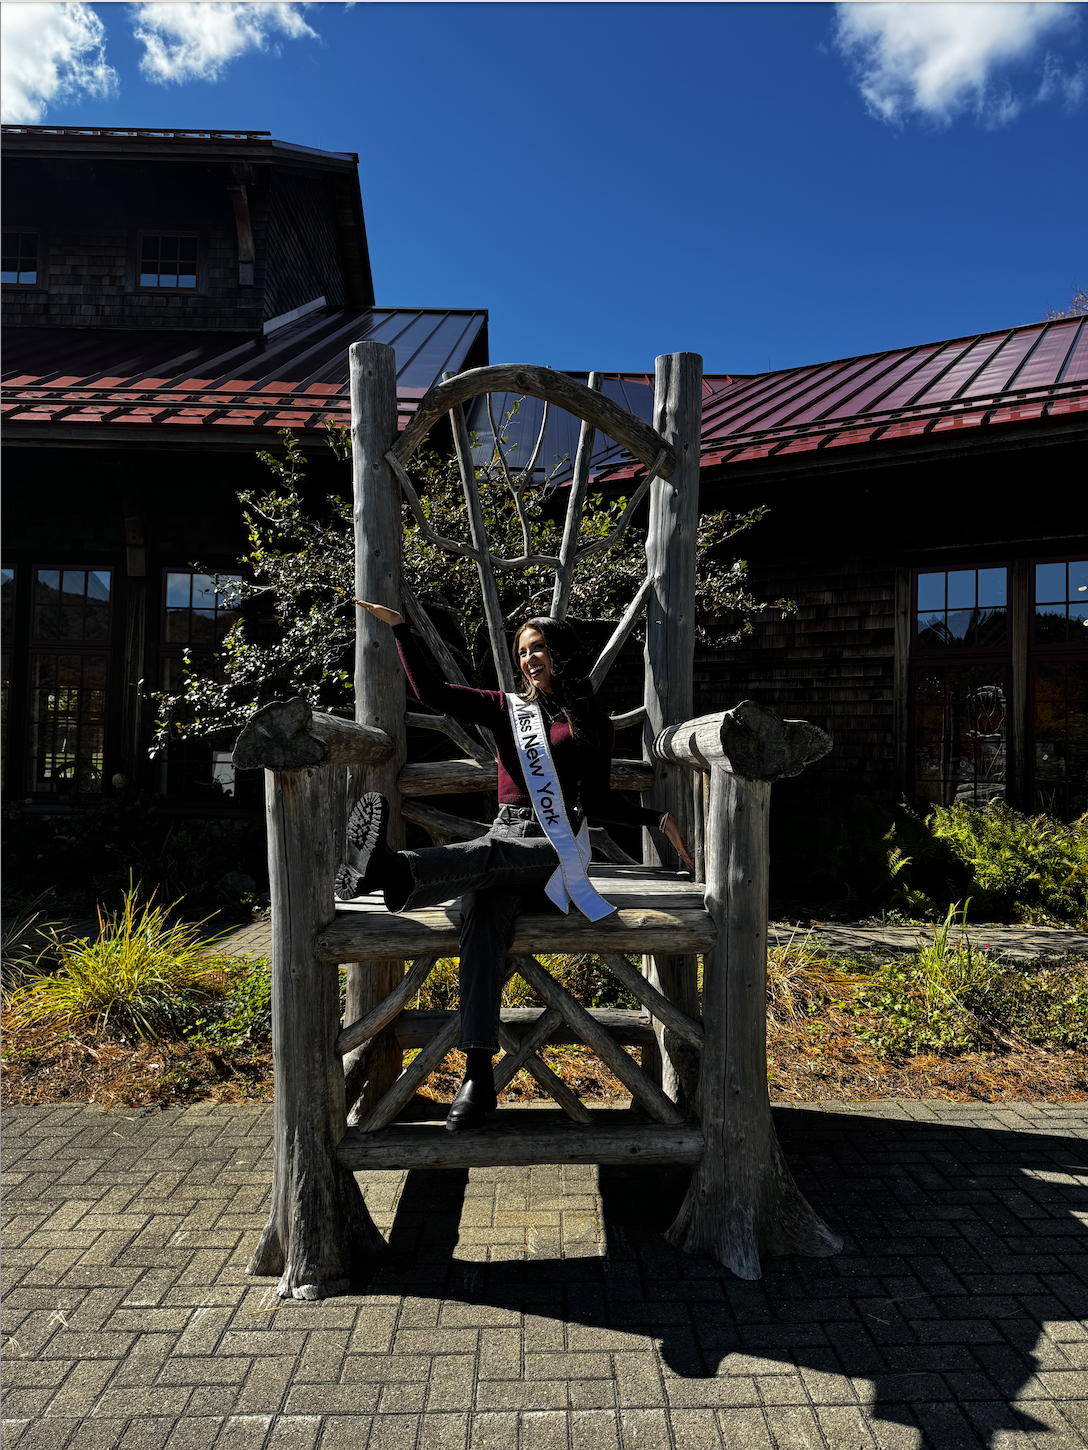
<point>476,1097</point>
<point>366,856</point>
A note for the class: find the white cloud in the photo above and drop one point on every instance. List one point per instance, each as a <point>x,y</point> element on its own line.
<point>940,59</point>
<point>186,41</point>
<point>51,52</point>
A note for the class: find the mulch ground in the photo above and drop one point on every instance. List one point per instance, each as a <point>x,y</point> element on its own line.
<point>57,1065</point>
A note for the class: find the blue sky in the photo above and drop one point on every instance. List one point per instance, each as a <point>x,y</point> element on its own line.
<point>767,184</point>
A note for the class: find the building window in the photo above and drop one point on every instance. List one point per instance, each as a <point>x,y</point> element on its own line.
<point>960,686</point>
<point>167,260</point>
<point>19,263</point>
<point>69,669</point>
<point>1060,731</point>
<point>1061,603</point>
<point>72,605</point>
<point>197,613</point>
<point>198,616</point>
<point>962,609</point>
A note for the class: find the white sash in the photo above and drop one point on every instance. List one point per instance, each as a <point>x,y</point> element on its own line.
<point>570,882</point>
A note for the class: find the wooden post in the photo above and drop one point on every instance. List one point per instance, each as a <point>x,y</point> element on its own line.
<point>319,1230</point>
<point>379,679</point>
<point>742,1202</point>
<point>671,540</point>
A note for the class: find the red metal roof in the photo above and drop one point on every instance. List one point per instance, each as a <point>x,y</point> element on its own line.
<point>72,379</point>
<point>1014,375</point>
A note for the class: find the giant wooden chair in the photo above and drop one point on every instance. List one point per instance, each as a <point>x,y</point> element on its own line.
<point>703,1084</point>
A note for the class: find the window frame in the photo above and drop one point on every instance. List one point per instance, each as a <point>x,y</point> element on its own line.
<point>38,284</point>
<point>137,258</point>
<point>1049,647</point>
<point>973,656</point>
<point>955,652</point>
<point>105,647</point>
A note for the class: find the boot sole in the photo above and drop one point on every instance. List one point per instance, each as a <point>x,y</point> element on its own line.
<point>367,826</point>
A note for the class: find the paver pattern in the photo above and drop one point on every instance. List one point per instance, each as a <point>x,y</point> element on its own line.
<point>532,1309</point>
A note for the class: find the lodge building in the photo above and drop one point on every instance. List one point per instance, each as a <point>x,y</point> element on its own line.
<point>172,299</point>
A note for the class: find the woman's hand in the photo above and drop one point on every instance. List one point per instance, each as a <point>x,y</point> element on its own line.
<point>379,611</point>
<point>672,833</point>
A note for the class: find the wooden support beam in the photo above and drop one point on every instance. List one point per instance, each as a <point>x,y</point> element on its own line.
<point>500,646</point>
<point>446,725</point>
<point>536,382</point>
<point>665,1011</point>
<point>416,1027</point>
<point>379,678</point>
<point>462,777</point>
<point>572,522</point>
<point>521,1048</point>
<point>607,658</point>
<point>319,1232</point>
<point>356,1033</point>
<point>625,1068</point>
<point>552,1084</point>
<point>750,741</point>
<point>288,735</point>
<point>743,1202</point>
<point>365,936</point>
<point>519,1137</point>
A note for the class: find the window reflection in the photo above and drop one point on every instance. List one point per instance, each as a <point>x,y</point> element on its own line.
<point>72,605</point>
<point>1061,603</point>
<point>1061,738</point>
<point>960,734</point>
<point>962,609</point>
<point>68,721</point>
<point>197,613</point>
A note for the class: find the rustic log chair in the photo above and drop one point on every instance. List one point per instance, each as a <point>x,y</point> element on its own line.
<point>702,1088</point>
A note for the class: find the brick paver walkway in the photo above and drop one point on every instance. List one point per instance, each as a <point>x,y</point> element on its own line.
<point>526,1310</point>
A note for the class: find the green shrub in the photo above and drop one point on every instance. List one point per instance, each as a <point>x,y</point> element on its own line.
<point>140,976</point>
<point>870,858</point>
<point>950,998</point>
<point>1034,866</point>
<point>243,1017</point>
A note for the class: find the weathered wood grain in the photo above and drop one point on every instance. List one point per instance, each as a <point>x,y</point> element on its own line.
<point>641,987</point>
<point>288,735</point>
<point>520,1137</point>
<point>668,688</point>
<point>611,1054</point>
<point>552,1084</point>
<point>415,1028</point>
<point>743,1202</point>
<point>749,741</point>
<point>364,936</point>
<point>446,725</point>
<point>461,777</point>
<point>607,657</point>
<point>572,521</point>
<point>319,1231</point>
<point>536,382</point>
<point>356,1033</point>
<point>379,678</point>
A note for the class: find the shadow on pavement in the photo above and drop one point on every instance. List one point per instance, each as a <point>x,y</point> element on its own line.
<point>964,1256</point>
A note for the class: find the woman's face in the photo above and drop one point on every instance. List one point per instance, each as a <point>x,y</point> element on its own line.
<point>535,659</point>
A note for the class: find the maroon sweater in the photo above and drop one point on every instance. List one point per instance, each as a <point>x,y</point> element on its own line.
<point>582,783</point>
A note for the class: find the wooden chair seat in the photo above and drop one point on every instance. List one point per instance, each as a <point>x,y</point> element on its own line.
<point>657,911</point>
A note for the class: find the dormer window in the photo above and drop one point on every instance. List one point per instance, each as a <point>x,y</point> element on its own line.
<point>167,259</point>
<point>20,259</point>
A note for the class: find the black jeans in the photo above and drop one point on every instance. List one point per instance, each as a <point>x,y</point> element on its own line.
<point>495,876</point>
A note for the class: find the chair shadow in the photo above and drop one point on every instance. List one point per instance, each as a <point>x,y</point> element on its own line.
<point>959,1244</point>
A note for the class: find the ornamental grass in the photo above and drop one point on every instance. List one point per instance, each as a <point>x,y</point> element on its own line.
<point>140,977</point>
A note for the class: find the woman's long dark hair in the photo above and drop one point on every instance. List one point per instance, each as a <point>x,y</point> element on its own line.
<point>571,689</point>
